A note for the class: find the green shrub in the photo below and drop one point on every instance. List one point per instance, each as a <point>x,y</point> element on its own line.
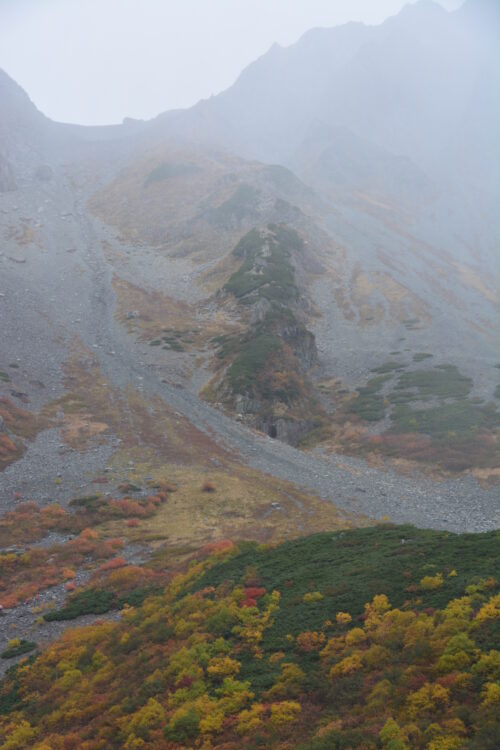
<point>99,601</point>
<point>369,405</point>
<point>185,728</point>
<point>444,381</point>
<point>91,602</point>
<point>23,647</point>
<point>251,360</point>
<point>275,279</point>
<point>388,367</point>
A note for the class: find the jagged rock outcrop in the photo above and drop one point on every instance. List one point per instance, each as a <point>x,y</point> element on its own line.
<point>264,375</point>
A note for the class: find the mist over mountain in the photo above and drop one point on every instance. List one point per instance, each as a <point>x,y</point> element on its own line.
<point>421,85</point>
<point>273,314</point>
<point>417,85</point>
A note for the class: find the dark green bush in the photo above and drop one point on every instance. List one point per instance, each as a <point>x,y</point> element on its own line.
<point>24,648</point>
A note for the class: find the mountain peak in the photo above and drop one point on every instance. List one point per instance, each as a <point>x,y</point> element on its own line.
<point>422,13</point>
<point>421,7</point>
<point>15,104</point>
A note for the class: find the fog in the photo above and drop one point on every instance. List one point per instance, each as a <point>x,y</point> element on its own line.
<point>98,61</point>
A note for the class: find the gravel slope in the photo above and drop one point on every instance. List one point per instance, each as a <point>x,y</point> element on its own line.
<point>69,283</point>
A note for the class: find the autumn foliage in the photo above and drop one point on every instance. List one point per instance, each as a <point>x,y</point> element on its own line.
<point>227,657</point>
<point>26,569</point>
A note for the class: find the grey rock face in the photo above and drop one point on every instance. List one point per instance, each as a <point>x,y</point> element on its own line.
<point>289,431</point>
<point>7,178</point>
<point>303,344</point>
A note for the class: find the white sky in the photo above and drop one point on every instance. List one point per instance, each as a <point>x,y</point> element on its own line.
<point>97,61</point>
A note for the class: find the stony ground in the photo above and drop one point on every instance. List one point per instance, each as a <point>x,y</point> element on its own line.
<point>56,292</point>
<point>62,292</point>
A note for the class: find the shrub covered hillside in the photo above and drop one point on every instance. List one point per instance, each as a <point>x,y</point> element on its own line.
<point>375,638</point>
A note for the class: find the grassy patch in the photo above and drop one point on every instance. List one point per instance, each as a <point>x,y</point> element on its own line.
<point>388,367</point>
<point>460,419</point>
<point>240,509</point>
<point>369,404</point>
<point>434,419</point>
<point>239,205</point>
<point>444,381</point>
<point>169,170</point>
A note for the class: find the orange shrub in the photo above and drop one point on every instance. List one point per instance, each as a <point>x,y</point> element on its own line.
<point>310,641</point>
<point>6,445</point>
<point>129,577</point>
<point>116,562</point>
<point>216,548</point>
<point>208,486</point>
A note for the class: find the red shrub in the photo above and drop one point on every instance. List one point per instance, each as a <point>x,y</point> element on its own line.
<point>252,593</point>
<point>116,562</point>
<point>216,548</point>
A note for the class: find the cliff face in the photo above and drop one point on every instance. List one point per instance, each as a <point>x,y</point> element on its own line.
<point>23,133</point>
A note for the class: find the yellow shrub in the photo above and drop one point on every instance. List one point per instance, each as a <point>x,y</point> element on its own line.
<point>490,610</point>
<point>355,636</point>
<point>251,719</point>
<point>223,667</point>
<point>313,596</point>
<point>346,666</point>
<point>491,694</point>
<point>430,583</point>
<point>276,657</point>
<point>284,713</point>
<point>343,618</point>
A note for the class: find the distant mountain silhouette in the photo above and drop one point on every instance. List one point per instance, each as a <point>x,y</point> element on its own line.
<point>421,85</point>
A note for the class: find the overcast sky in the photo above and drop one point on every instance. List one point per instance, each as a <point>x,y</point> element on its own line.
<point>97,61</point>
